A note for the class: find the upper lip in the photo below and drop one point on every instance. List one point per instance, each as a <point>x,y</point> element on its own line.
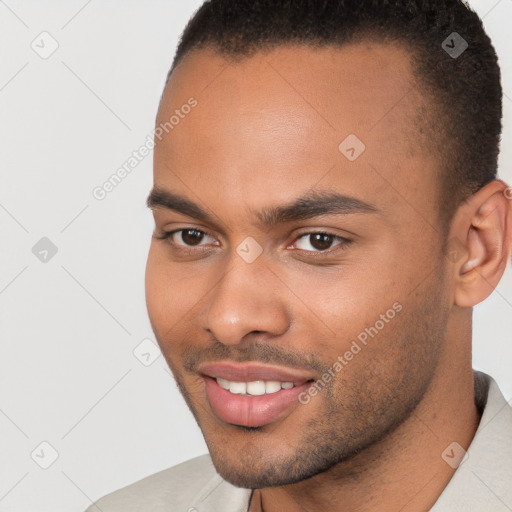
<point>249,372</point>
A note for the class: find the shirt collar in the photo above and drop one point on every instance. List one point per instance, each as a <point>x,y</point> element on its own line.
<point>483,480</point>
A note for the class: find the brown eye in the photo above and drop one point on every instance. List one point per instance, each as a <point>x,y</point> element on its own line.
<point>188,240</point>
<point>191,236</point>
<point>318,242</point>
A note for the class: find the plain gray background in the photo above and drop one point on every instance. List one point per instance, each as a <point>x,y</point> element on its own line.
<point>73,373</point>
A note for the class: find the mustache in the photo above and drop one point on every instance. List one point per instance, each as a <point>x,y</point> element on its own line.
<point>255,352</point>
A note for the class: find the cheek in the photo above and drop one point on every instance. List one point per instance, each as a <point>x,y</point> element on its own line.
<point>345,300</point>
<point>164,293</point>
<point>155,287</point>
<point>174,295</point>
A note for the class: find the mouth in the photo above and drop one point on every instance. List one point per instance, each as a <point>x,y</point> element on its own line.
<point>255,387</point>
<point>252,395</point>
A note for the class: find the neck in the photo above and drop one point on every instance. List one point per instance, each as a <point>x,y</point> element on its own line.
<point>406,470</point>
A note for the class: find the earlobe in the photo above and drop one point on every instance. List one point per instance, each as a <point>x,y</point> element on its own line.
<point>484,226</point>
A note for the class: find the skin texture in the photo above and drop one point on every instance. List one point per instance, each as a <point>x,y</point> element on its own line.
<point>265,132</point>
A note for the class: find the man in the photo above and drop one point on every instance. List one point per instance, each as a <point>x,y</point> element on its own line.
<point>327,215</point>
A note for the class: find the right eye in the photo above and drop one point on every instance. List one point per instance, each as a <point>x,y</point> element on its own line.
<point>188,237</point>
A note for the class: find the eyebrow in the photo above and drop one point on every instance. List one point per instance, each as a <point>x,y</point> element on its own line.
<point>313,204</point>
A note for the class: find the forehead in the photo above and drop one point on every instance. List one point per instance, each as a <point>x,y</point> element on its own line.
<point>288,118</point>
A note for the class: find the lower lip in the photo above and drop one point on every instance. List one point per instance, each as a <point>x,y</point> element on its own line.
<point>252,411</point>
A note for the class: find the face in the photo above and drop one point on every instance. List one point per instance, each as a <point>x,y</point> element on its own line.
<point>287,257</point>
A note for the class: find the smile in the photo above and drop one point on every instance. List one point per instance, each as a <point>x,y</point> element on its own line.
<point>253,394</point>
<point>254,388</point>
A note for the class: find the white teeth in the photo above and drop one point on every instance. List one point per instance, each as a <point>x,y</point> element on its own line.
<point>254,388</point>
<point>223,383</point>
<point>272,386</point>
<point>238,388</point>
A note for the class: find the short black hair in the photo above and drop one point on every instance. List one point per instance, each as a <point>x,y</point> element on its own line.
<point>464,92</point>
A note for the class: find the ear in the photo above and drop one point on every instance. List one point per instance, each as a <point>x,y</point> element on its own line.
<point>482,229</point>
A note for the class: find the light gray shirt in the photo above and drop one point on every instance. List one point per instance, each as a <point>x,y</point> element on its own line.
<point>482,481</point>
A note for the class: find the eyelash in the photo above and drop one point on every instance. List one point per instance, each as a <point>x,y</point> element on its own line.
<point>341,246</point>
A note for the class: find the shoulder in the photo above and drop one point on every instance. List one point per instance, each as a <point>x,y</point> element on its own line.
<point>182,487</point>
<point>482,479</point>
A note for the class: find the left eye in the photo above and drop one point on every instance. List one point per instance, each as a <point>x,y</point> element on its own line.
<point>318,242</point>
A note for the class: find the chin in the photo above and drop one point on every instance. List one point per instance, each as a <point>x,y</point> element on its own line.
<point>249,466</point>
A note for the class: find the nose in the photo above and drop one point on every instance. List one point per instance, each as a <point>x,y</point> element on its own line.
<point>246,300</point>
